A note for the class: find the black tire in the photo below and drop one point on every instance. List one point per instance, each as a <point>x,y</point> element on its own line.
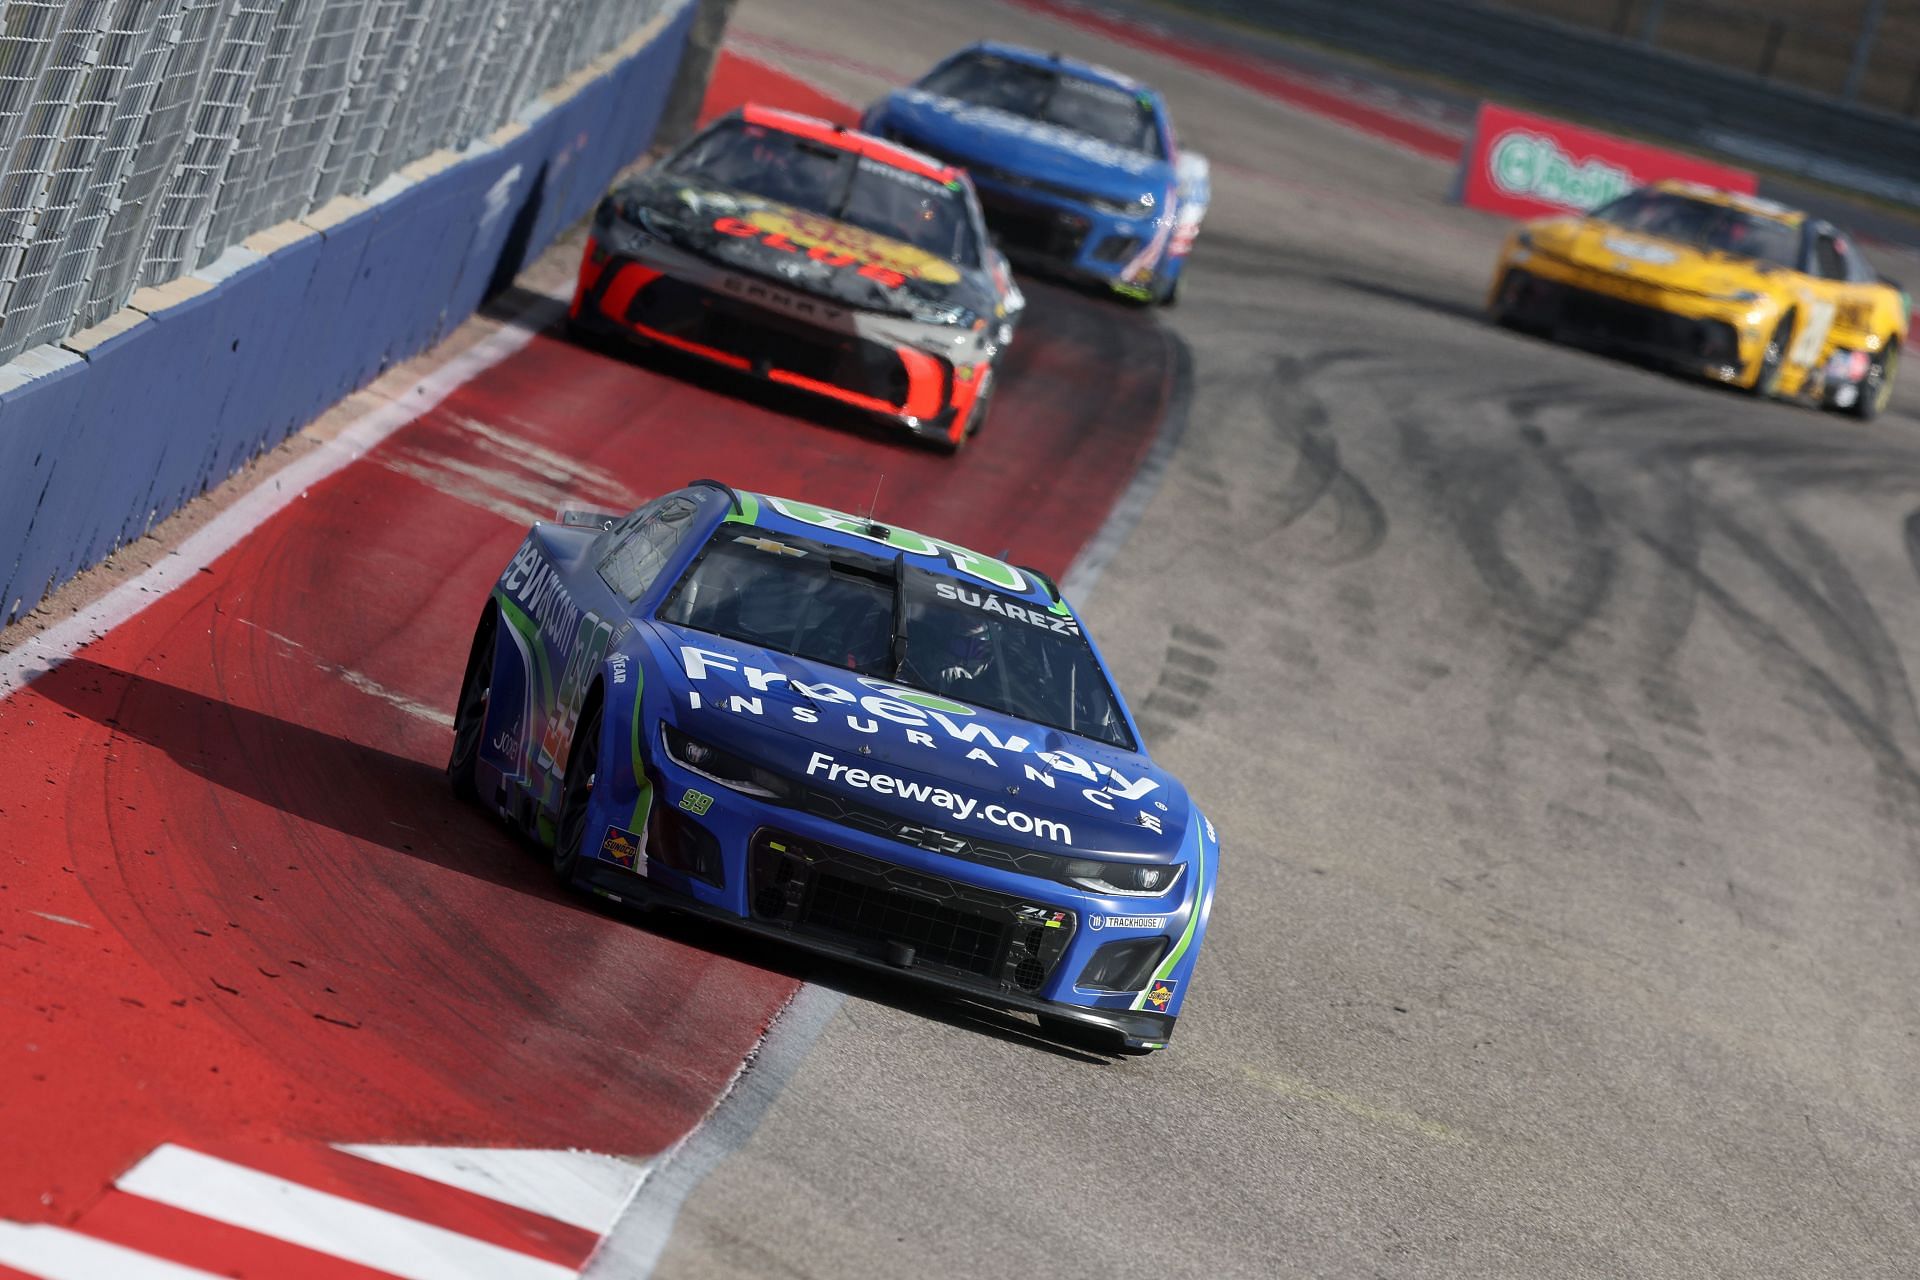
<point>1167,295</point>
<point>470,714</point>
<point>583,764</point>
<point>1505,310</point>
<point>1876,389</point>
<point>976,418</point>
<point>1773,360</point>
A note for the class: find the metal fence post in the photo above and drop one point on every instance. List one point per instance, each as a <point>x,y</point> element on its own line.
<point>1862,49</point>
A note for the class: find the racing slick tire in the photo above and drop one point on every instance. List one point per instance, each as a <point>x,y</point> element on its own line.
<point>1166,293</point>
<point>1876,387</point>
<point>1507,311</point>
<point>976,419</point>
<point>470,713</point>
<point>583,763</point>
<point>1773,360</point>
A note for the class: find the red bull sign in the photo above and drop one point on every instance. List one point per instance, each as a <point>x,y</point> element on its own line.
<point>1532,166</point>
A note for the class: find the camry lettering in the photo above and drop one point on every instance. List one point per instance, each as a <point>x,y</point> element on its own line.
<point>822,765</point>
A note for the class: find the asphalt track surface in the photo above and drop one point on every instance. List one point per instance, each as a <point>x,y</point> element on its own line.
<point>1556,717</point>
<point>1554,713</point>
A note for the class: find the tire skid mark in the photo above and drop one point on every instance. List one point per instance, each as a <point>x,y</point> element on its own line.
<point>1301,418</point>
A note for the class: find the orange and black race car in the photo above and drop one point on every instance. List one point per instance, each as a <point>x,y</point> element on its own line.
<point>813,256</point>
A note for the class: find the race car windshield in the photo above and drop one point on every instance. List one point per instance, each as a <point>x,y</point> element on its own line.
<point>973,644</point>
<point>964,641</point>
<point>759,161</point>
<point>1113,115</point>
<point>791,595</point>
<point>1705,225</point>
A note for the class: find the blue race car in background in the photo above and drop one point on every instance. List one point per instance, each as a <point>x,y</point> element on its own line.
<point>859,739</point>
<point>1076,166</point>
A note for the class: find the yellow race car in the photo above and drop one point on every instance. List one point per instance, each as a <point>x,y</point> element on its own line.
<point>1738,289</point>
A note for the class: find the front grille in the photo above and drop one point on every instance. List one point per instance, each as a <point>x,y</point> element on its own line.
<point>771,341</point>
<point>939,934</point>
<point>878,909</point>
<point>1034,229</point>
<point>1609,318</point>
<point>1116,248</point>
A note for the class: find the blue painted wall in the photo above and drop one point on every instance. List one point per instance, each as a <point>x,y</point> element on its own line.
<point>95,448</point>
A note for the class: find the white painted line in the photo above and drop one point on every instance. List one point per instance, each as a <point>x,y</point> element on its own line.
<point>580,1188</point>
<point>323,1222</point>
<point>48,915</point>
<point>37,655</point>
<point>364,683</point>
<point>54,1253</point>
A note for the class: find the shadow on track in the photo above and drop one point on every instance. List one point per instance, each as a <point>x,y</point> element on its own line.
<point>225,744</point>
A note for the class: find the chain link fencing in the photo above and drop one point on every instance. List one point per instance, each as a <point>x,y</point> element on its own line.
<point>141,138</point>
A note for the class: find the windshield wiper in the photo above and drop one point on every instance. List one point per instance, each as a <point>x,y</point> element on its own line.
<point>898,651</point>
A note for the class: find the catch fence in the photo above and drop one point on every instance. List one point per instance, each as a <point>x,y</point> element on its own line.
<point>139,139</point>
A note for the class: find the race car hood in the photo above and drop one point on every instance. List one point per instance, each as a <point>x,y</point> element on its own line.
<point>1668,264</point>
<point>800,250</point>
<point>955,767</point>
<point>991,139</point>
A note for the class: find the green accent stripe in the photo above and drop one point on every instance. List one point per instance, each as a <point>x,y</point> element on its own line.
<point>1193,921</point>
<point>643,803</point>
<point>527,627</point>
<point>749,510</point>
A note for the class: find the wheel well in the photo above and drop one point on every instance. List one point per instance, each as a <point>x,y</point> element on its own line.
<point>489,620</point>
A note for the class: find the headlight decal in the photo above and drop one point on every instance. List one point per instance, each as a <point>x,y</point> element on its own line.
<point>1161,989</point>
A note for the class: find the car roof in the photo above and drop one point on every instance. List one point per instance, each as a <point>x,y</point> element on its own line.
<point>1037,58</point>
<point>879,150</point>
<point>1731,200</point>
<point>763,511</point>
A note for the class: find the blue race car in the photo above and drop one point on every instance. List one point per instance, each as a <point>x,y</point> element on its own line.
<point>1076,166</point>
<point>863,740</point>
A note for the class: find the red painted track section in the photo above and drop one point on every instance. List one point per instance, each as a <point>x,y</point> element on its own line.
<point>237,903</point>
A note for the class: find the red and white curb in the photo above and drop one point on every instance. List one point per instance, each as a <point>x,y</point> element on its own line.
<point>290,1212</point>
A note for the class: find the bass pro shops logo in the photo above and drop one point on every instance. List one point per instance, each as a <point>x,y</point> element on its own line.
<point>1533,166</point>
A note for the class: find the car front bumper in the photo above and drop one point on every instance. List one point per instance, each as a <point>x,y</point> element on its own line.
<point>989,932</point>
<point>673,300</point>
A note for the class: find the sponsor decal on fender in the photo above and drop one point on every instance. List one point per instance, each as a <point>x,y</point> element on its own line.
<point>820,764</point>
<point>1097,923</point>
<point>622,846</point>
<point>1160,994</point>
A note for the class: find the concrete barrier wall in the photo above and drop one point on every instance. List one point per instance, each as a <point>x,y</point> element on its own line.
<point>113,429</point>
